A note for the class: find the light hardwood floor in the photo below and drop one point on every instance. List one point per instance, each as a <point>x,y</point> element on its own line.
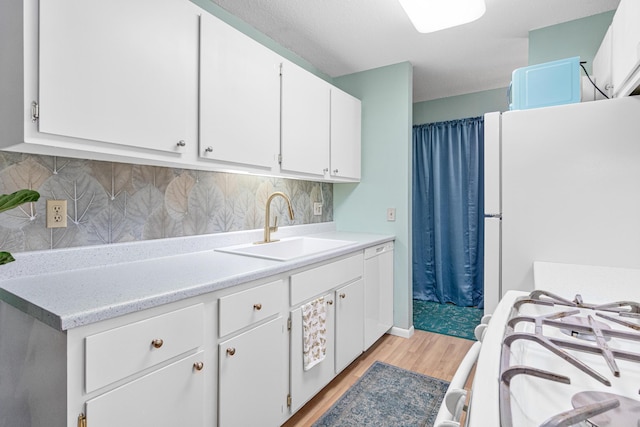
<point>431,354</point>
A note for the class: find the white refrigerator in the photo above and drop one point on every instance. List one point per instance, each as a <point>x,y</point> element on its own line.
<point>562,184</point>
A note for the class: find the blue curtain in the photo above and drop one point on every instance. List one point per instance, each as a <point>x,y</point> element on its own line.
<point>448,212</point>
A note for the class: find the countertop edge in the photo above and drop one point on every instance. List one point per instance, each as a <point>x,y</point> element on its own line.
<point>62,321</point>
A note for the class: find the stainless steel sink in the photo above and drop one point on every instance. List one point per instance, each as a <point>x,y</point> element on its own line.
<point>286,249</point>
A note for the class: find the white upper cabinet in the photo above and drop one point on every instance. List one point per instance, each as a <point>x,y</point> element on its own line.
<point>167,84</point>
<point>119,71</point>
<point>346,122</point>
<point>625,47</point>
<point>239,98</point>
<point>305,122</point>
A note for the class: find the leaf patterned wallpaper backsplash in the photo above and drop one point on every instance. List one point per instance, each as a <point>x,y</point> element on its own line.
<point>117,202</point>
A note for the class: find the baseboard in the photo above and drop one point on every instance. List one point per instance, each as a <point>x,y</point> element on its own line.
<point>401,332</point>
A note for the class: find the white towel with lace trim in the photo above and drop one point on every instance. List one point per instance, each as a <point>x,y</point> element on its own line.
<point>314,332</point>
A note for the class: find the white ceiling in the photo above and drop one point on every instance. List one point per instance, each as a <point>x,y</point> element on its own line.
<point>346,36</point>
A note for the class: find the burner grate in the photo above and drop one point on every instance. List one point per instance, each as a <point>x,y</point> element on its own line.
<point>599,332</point>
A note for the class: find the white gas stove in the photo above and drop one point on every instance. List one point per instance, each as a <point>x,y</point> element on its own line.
<point>561,357</point>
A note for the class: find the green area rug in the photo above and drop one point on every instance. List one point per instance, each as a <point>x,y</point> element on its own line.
<point>447,319</point>
<point>387,396</point>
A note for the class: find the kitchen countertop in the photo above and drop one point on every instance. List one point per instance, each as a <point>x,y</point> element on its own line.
<point>79,296</point>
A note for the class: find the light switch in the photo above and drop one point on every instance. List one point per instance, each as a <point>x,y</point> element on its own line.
<point>391,214</point>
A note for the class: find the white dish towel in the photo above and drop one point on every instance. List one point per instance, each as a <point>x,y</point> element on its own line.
<point>314,332</point>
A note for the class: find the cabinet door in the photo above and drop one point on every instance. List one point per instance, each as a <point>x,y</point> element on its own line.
<point>625,48</point>
<point>169,397</point>
<point>239,97</point>
<point>305,122</point>
<point>378,292</point>
<point>252,377</point>
<point>119,71</point>
<point>345,135</point>
<point>305,384</point>
<point>349,323</point>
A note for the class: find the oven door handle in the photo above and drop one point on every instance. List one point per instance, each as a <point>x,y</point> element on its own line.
<point>451,410</point>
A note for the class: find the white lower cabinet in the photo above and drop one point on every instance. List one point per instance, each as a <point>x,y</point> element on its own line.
<point>338,280</point>
<point>252,377</point>
<point>349,323</point>
<point>171,396</point>
<point>344,338</point>
<point>149,368</point>
<point>305,384</point>
<point>233,357</point>
<point>378,292</point>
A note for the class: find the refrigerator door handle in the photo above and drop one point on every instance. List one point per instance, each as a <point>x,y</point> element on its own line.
<point>499,216</point>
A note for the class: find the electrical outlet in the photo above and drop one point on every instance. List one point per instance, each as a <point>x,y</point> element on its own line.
<point>56,213</point>
<point>317,208</point>
<point>391,214</point>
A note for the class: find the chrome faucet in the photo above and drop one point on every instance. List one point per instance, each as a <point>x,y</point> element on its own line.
<point>267,213</point>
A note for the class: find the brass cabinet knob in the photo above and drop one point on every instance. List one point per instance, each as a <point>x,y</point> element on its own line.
<point>335,171</point>
<point>343,295</point>
<point>198,366</point>
<point>181,143</point>
<point>157,343</point>
<point>231,351</point>
<point>330,302</point>
<point>208,149</point>
<point>257,306</point>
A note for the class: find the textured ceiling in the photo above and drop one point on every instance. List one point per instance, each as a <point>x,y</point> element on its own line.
<point>345,36</point>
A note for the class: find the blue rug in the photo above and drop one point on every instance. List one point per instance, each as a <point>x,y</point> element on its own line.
<point>387,396</point>
<point>447,319</point>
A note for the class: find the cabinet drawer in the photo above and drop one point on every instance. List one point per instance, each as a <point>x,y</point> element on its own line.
<point>247,307</point>
<point>316,281</point>
<point>120,352</point>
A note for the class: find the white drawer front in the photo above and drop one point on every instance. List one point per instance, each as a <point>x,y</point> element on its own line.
<point>247,307</point>
<point>120,352</point>
<point>316,281</point>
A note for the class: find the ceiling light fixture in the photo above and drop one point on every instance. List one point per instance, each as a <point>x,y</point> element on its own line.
<point>433,15</point>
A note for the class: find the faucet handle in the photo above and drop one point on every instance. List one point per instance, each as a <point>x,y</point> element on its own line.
<point>275,224</point>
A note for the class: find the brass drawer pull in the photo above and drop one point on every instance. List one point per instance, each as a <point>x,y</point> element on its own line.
<point>231,351</point>
<point>343,296</point>
<point>330,302</point>
<point>157,343</point>
<point>198,366</point>
<point>257,306</point>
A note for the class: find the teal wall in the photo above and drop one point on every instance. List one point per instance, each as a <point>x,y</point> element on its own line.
<point>387,119</point>
<point>386,95</point>
<point>461,106</point>
<point>581,37</point>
